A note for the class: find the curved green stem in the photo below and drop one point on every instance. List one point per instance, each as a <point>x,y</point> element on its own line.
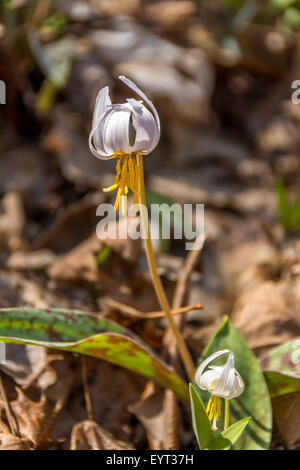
<point>226,419</point>
<point>185,355</point>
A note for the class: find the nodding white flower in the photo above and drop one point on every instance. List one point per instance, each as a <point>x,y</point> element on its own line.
<point>122,131</point>
<point>220,381</point>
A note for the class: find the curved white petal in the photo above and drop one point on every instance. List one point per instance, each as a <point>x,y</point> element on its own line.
<point>102,103</point>
<point>230,384</point>
<point>232,388</point>
<point>205,363</point>
<point>146,131</point>
<point>102,107</point>
<point>239,384</point>
<point>217,368</point>
<point>139,92</point>
<point>116,130</point>
<point>209,379</point>
<point>227,377</point>
<point>223,381</point>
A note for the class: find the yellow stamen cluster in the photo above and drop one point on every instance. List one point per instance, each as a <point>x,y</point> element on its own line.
<point>213,408</point>
<point>126,178</point>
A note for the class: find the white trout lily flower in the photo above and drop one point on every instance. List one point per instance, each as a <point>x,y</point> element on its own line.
<point>220,381</point>
<point>122,131</point>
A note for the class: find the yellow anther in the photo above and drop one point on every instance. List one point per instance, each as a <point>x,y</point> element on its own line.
<point>213,408</point>
<point>209,403</point>
<point>126,178</point>
<point>131,172</point>
<point>118,170</point>
<point>116,206</point>
<point>111,188</point>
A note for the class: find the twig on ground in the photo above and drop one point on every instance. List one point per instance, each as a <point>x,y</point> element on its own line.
<point>87,395</point>
<point>133,312</point>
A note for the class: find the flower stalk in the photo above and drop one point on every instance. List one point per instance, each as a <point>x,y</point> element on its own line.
<point>126,132</point>
<point>185,355</point>
<point>227,414</point>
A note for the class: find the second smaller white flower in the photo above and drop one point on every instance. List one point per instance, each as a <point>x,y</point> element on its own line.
<point>221,381</point>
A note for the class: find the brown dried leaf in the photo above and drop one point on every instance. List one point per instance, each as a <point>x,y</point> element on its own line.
<point>149,411</point>
<point>26,363</point>
<point>35,419</point>
<point>10,442</point>
<point>16,289</point>
<point>72,224</point>
<point>24,168</point>
<point>80,263</point>
<point>88,435</point>
<point>67,141</point>
<point>265,315</point>
<point>286,412</point>
<point>245,263</point>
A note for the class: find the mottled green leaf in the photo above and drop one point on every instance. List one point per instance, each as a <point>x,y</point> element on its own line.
<point>284,358</point>
<point>87,333</point>
<point>281,368</point>
<point>255,400</point>
<point>281,384</point>
<point>227,438</point>
<point>201,424</point>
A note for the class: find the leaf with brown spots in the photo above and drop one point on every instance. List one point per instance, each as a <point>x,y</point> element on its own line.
<point>281,368</point>
<point>87,333</point>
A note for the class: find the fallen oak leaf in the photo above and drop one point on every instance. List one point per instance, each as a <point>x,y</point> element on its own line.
<point>88,435</point>
<point>35,419</point>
